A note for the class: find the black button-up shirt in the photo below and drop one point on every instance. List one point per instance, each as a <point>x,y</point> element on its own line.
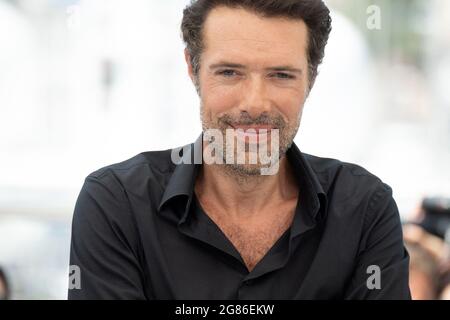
<point>139,232</point>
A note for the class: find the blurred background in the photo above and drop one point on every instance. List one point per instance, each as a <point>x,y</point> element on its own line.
<point>84,84</point>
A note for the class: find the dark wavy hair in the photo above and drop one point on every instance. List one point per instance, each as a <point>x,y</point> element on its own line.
<point>314,13</point>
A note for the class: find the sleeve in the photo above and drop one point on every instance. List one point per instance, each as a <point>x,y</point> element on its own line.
<point>102,248</point>
<point>382,266</point>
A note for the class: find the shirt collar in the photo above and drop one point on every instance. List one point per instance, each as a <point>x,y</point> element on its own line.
<point>183,178</point>
<point>182,181</point>
<point>308,181</point>
<point>312,205</point>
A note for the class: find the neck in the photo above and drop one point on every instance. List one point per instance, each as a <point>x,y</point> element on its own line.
<point>240,196</point>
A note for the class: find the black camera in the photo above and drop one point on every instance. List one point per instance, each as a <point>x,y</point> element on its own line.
<point>437,216</point>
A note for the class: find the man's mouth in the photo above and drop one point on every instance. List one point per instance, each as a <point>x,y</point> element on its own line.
<point>253,129</point>
<point>253,133</point>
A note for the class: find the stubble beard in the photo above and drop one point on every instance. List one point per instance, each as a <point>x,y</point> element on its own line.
<point>242,172</point>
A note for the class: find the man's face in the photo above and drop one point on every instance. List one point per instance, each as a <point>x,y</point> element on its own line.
<point>253,75</point>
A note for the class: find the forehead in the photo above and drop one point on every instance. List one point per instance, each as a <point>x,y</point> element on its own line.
<point>239,33</point>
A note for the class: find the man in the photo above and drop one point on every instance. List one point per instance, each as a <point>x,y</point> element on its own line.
<point>164,225</point>
<point>4,286</point>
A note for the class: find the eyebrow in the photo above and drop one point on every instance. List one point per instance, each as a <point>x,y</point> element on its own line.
<point>241,66</point>
<point>227,65</point>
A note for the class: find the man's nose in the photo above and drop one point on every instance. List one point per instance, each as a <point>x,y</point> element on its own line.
<point>254,97</point>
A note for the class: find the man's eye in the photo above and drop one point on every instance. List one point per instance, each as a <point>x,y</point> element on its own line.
<point>227,73</point>
<point>282,75</point>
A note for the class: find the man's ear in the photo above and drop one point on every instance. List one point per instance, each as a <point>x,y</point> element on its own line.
<point>187,57</point>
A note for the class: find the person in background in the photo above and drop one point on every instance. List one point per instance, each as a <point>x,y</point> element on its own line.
<point>423,273</point>
<point>4,286</point>
<point>429,269</point>
<point>444,292</point>
<point>427,238</point>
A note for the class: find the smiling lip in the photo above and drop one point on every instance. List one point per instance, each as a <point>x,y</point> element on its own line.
<point>256,128</point>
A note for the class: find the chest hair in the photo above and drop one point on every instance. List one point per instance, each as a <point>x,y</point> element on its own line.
<point>254,241</point>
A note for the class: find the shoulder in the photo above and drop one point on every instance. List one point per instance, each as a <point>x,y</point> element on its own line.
<point>354,192</point>
<point>357,192</point>
<point>150,161</point>
<point>109,192</point>
<point>133,177</point>
<point>150,167</point>
<point>347,177</point>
